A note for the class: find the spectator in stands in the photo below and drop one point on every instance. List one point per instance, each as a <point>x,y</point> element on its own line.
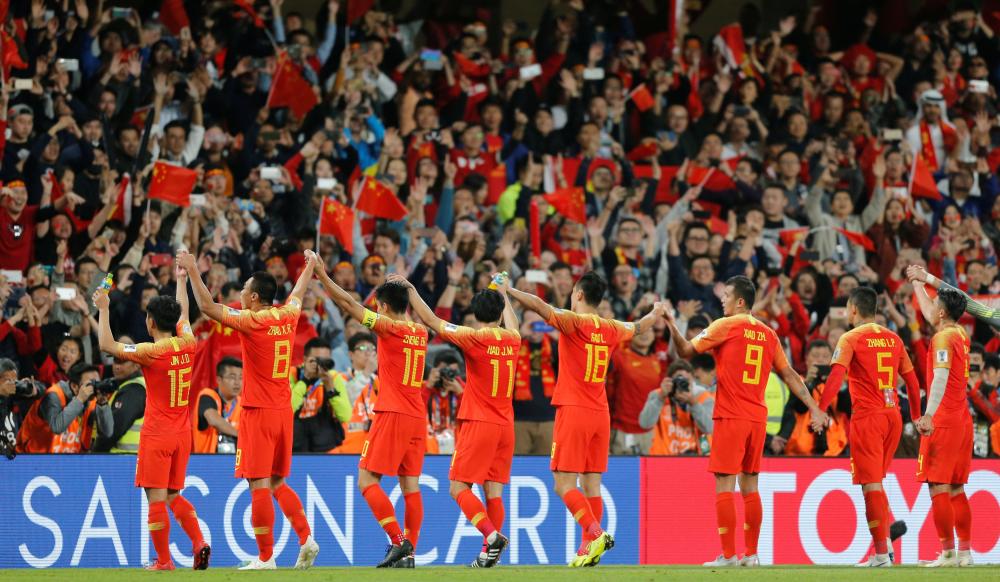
<point>679,414</point>
<point>65,419</point>
<point>217,423</point>
<point>635,372</point>
<point>319,400</point>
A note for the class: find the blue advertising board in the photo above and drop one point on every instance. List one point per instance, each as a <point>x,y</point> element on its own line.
<point>84,510</point>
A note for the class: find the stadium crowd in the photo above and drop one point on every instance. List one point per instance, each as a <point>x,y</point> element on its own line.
<point>823,151</point>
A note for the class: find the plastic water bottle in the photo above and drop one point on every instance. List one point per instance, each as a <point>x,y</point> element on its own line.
<point>107,283</point>
<point>498,280</point>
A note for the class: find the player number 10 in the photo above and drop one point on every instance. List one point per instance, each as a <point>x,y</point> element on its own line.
<point>180,386</point>
<point>413,367</point>
<point>496,377</point>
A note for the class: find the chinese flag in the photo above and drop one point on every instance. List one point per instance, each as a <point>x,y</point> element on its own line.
<point>11,54</point>
<point>337,220</point>
<point>788,236</point>
<point>123,202</point>
<point>378,200</point>
<point>290,89</point>
<point>642,98</point>
<point>172,184</point>
<point>922,184</point>
<point>570,203</point>
<point>247,6</point>
<point>174,16</point>
<point>496,183</point>
<point>357,8</point>
<point>643,151</point>
<point>857,238</point>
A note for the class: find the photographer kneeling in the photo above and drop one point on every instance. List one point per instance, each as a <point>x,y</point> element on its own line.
<point>16,399</point>
<point>63,420</point>
<point>681,412</point>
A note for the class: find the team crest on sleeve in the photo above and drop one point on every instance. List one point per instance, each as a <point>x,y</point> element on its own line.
<point>836,354</point>
<point>186,328</point>
<point>942,356</point>
<point>130,348</point>
<point>702,335</point>
<point>451,327</point>
<point>629,326</point>
<point>233,312</point>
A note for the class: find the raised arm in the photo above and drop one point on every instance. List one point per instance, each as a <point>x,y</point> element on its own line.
<point>105,339</point>
<point>987,315</point>
<point>201,293</point>
<point>509,320</point>
<point>181,292</point>
<point>681,344</point>
<point>533,303</point>
<point>649,320</point>
<point>305,277</point>
<point>420,307</point>
<point>342,298</point>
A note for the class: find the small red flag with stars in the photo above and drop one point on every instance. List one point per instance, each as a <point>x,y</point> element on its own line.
<point>379,200</point>
<point>123,201</point>
<point>642,98</point>
<point>337,220</point>
<point>570,203</point>
<point>290,89</point>
<point>172,184</point>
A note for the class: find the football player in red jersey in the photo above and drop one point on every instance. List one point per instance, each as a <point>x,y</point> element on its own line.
<point>165,437</point>
<point>264,445</point>
<point>583,425</point>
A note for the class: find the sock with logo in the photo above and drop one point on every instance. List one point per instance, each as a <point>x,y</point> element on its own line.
<point>944,519</point>
<point>725,514</point>
<point>159,529</point>
<point>580,509</point>
<point>963,520</point>
<point>185,515</point>
<point>753,513</point>
<point>413,516</point>
<point>379,503</point>
<point>262,520</point>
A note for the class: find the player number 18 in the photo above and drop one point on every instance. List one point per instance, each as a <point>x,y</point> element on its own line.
<point>597,363</point>
<point>180,386</point>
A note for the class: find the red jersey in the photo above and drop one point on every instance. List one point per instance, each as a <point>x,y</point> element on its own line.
<point>950,350</point>
<point>586,343</point>
<point>166,366</point>
<point>633,377</point>
<point>745,351</point>
<point>490,362</point>
<point>875,359</point>
<point>402,353</point>
<point>266,337</point>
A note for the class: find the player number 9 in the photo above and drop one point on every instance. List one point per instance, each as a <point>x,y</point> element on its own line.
<point>754,358</point>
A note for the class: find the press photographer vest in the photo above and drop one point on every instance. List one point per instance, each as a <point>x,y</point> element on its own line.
<point>36,436</point>
<point>207,441</point>
<point>129,443</point>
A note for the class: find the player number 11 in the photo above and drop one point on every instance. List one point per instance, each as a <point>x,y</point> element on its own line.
<point>496,377</point>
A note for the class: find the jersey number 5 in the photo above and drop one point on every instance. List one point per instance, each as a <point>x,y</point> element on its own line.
<point>885,371</point>
<point>753,359</point>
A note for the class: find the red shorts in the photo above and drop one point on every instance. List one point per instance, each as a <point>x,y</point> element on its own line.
<point>580,440</point>
<point>873,440</point>
<point>946,455</point>
<point>264,444</point>
<point>395,445</point>
<point>484,452</point>
<point>162,461</point>
<point>737,446</point>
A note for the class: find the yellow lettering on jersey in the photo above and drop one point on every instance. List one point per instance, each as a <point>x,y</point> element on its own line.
<point>280,329</point>
<point>597,338</point>
<point>499,350</point>
<point>881,342</point>
<point>756,336</point>
<point>180,360</point>
<point>414,340</point>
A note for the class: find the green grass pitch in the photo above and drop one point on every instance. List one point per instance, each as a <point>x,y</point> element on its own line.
<point>520,574</point>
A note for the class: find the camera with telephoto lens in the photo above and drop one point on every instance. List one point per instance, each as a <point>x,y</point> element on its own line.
<point>447,373</point>
<point>108,386</point>
<point>27,387</point>
<point>681,384</point>
<point>324,363</point>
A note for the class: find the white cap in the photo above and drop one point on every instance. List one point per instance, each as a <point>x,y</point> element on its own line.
<point>932,96</point>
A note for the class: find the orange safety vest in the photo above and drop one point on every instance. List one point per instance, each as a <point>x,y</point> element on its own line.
<point>802,439</point>
<point>995,437</point>
<point>35,435</point>
<point>207,441</point>
<point>312,401</point>
<point>356,428</point>
<point>677,436</point>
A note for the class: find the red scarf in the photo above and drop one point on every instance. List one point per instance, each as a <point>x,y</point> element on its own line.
<point>522,382</point>
<point>927,144</point>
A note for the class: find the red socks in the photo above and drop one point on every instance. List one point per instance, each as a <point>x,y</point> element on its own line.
<point>876,510</point>
<point>379,503</point>
<point>581,511</point>
<point>262,520</point>
<point>753,513</point>
<point>475,512</point>
<point>290,505</point>
<point>963,520</point>
<point>725,514</point>
<point>495,511</point>
<point>597,507</point>
<point>159,530</point>
<point>185,515</point>
<point>413,516</point>
<point>944,519</point>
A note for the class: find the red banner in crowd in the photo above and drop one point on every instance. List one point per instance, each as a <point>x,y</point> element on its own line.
<point>812,512</point>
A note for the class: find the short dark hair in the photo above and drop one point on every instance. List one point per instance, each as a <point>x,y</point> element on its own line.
<point>227,362</point>
<point>991,361</point>
<point>361,338</point>
<point>744,289</point>
<point>703,362</point>
<point>487,306</point>
<point>230,286</point>
<point>175,124</point>
<point>977,348</point>
<point>395,295</point>
<point>313,344</point>
<point>593,286</point>
<point>447,358</point>
<point>865,300</point>
<point>264,285</point>
<point>165,312</point>
<point>388,233</point>
<point>7,365</point>
<point>816,344</point>
<point>78,369</point>
<point>953,302</point>
<point>559,266</point>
